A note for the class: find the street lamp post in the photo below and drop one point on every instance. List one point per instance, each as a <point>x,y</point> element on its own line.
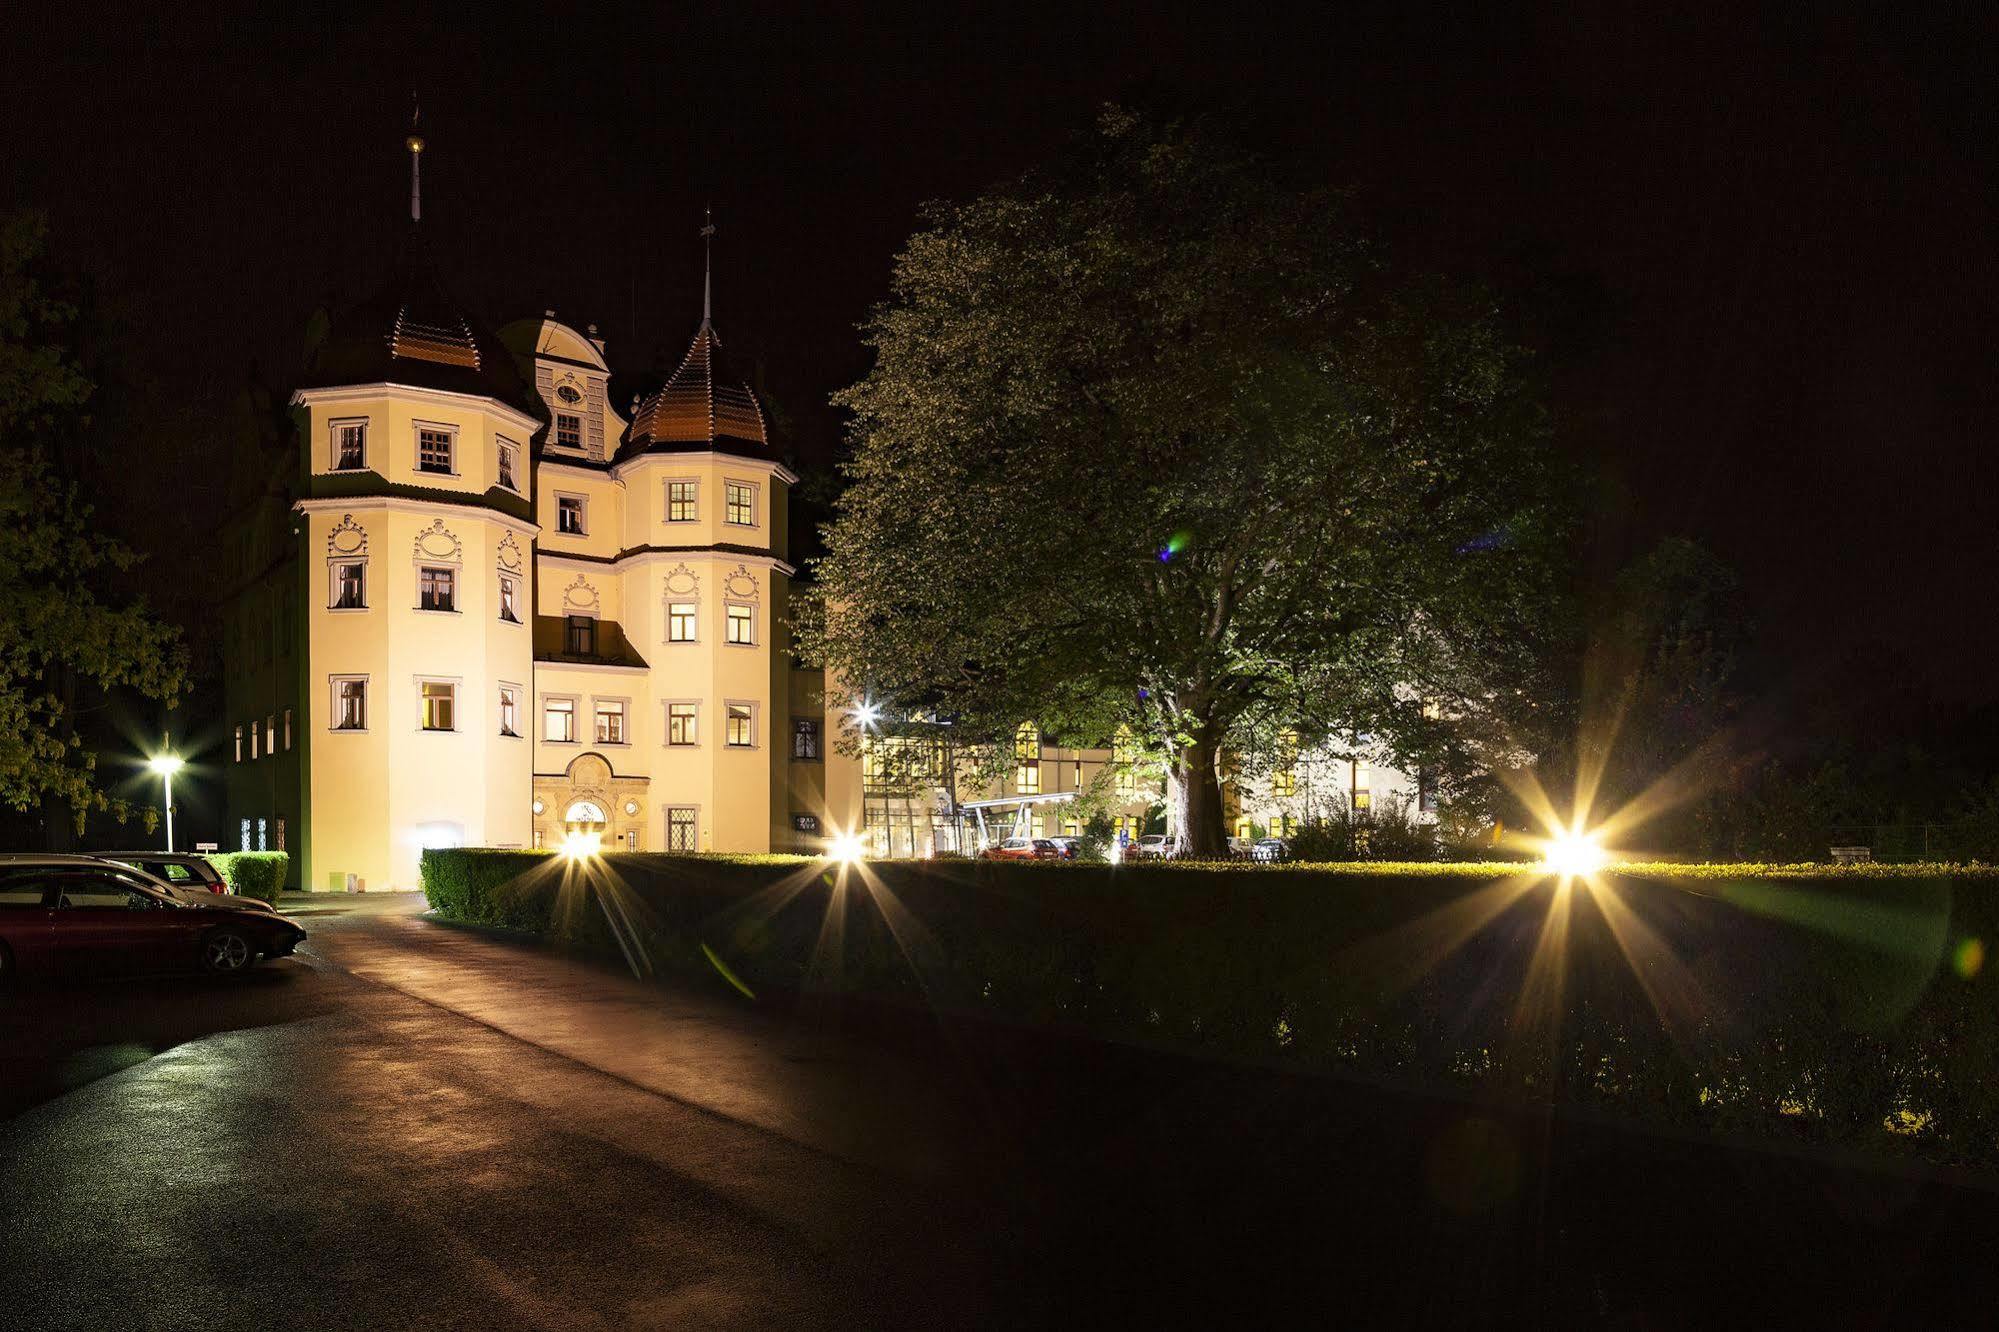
<point>166,765</point>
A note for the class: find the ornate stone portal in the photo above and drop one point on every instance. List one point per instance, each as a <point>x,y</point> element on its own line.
<point>589,797</point>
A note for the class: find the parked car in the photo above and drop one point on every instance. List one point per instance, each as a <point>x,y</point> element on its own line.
<point>1152,846</point>
<point>1270,850</point>
<point>1240,848</point>
<point>189,877</point>
<point>1067,846</point>
<point>67,915</point>
<point>1023,848</point>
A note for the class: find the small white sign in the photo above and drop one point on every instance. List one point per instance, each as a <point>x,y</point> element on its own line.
<point>207,846</point>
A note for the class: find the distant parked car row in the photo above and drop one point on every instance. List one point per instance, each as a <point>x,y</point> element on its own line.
<point>106,915</point>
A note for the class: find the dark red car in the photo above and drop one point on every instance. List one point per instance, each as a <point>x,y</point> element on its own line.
<point>1023,848</point>
<point>68,919</point>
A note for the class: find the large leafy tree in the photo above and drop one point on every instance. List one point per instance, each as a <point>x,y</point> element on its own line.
<point>1155,439</point>
<point>65,632</point>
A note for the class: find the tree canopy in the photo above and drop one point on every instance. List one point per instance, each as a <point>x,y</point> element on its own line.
<point>1154,438</point>
<point>62,626</point>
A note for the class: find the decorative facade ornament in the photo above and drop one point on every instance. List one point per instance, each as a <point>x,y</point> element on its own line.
<point>579,595</point>
<point>438,542</point>
<point>741,584</point>
<point>682,580</point>
<point>347,537</point>
<point>510,553</point>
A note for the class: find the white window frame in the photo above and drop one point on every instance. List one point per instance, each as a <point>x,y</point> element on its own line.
<point>457,586</point>
<point>333,567</point>
<point>694,825</point>
<point>624,719</point>
<point>693,620</point>
<point>666,498</point>
<point>572,700</point>
<point>333,683</point>
<point>749,606</point>
<point>749,703</point>
<point>456,684</point>
<point>506,576</point>
<point>510,693</point>
<point>333,429</point>
<point>503,447</point>
<point>450,433</point>
<point>555,427</point>
<point>582,513</point>
<point>666,718</point>
<point>756,501</point>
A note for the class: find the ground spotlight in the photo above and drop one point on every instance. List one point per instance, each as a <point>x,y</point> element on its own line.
<point>845,848</point>
<point>582,845</point>
<point>1574,855</point>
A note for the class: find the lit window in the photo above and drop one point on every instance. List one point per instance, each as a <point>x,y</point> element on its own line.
<point>271,734</point>
<point>350,446</point>
<point>569,514</point>
<point>433,450</point>
<point>1284,777</point>
<point>1244,830</point>
<point>680,829</point>
<point>253,742</point>
<point>1283,825</point>
<point>682,724</point>
<point>506,470</point>
<point>680,502</point>
<point>1027,760</point>
<point>350,704</point>
<point>741,732</point>
<point>1362,800</point>
<point>680,621</point>
<point>742,498</point>
<point>558,720</point>
<point>437,588</point>
<point>509,606</point>
<point>579,636</point>
<point>1124,755</point>
<point>438,696</point>
<point>350,585</point>
<point>805,737</point>
<point>239,744</point>
<point>510,710</point>
<point>742,624</point>
<point>288,728</point>
<point>610,721</point>
<point>569,430</point>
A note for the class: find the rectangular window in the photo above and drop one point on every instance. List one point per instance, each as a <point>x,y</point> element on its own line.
<point>1027,760</point>
<point>610,721</point>
<point>558,720</point>
<point>510,710</point>
<point>1426,791</point>
<point>742,624</point>
<point>569,514</point>
<point>682,724</point>
<point>278,841</point>
<point>805,737</point>
<point>438,698</point>
<point>1283,825</point>
<point>253,742</point>
<point>350,446</point>
<point>579,635</point>
<point>680,829</point>
<point>1362,800</point>
<point>508,458</point>
<point>245,830</point>
<point>680,502</point>
<point>350,703</point>
<point>569,430</point>
<point>1284,779</point>
<point>509,599</point>
<point>742,503</point>
<point>263,830</point>
<point>350,585</point>
<point>288,728</point>
<point>437,588</point>
<point>433,450</point>
<point>239,744</point>
<point>742,730</point>
<point>1124,755</point>
<point>680,620</point>
<point>271,734</point>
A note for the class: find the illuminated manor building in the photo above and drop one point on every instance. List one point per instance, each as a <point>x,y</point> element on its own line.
<point>483,607</point>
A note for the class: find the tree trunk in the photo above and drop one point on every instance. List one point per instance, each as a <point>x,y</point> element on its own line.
<point>1194,793</point>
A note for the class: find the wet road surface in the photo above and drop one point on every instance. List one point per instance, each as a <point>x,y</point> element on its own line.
<point>416,1125</point>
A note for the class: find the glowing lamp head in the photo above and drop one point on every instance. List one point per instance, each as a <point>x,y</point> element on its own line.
<point>845,848</point>
<point>867,712</point>
<point>1574,855</point>
<point>581,845</point>
<point>166,765</point>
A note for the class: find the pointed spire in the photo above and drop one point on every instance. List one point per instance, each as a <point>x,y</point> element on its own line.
<point>708,269</point>
<point>415,144</point>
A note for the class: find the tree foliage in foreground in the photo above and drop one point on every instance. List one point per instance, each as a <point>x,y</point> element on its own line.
<point>1154,439</point>
<point>62,629</point>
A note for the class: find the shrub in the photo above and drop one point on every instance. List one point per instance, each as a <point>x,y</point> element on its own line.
<point>259,874</point>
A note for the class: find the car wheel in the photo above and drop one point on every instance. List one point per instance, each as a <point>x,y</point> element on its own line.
<point>226,952</point>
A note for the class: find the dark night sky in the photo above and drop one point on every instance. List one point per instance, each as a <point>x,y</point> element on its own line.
<point>1760,252</point>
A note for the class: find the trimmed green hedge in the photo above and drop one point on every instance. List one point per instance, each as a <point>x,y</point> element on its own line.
<point>259,874</point>
<point>1845,1006</point>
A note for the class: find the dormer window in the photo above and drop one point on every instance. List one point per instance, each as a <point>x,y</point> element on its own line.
<point>568,430</point>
